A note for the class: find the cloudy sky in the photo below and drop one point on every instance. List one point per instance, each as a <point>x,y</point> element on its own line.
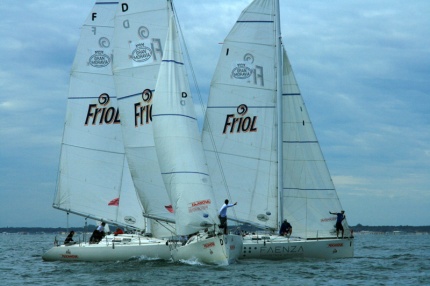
<point>363,68</point>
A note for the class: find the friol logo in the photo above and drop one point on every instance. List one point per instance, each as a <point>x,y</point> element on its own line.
<point>239,124</point>
<point>199,206</point>
<point>99,59</point>
<point>141,53</point>
<point>143,113</point>
<point>103,114</point>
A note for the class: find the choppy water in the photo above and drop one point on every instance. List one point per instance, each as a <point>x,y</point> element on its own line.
<point>379,260</point>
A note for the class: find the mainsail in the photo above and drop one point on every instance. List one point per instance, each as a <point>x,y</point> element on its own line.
<point>94,180</point>
<point>178,144</point>
<point>140,33</point>
<point>241,118</point>
<point>241,132</point>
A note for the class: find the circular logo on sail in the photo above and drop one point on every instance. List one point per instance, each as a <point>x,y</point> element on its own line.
<point>263,217</point>
<point>130,219</point>
<point>242,109</point>
<point>248,58</point>
<point>143,32</point>
<point>104,42</point>
<point>141,53</point>
<point>147,95</point>
<point>99,59</point>
<point>104,98</point>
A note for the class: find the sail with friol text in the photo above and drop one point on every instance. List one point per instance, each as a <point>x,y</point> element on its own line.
<point>139,37</point>
<point>94,179</point>
<point>239,133</point>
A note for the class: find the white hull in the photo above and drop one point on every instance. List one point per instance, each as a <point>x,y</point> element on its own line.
<point>118,248</point>
<point>273,247</point>
<point>219,249</point>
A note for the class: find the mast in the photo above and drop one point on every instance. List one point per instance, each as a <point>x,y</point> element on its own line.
<point>279,110</point>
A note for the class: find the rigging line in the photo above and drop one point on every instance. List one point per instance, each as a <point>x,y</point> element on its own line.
<point>90,216</point>
<point>203,109</point>
<point>166,225</point>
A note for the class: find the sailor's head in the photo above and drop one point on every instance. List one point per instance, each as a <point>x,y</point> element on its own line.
<point>226,201</point>
<point>342,211</point>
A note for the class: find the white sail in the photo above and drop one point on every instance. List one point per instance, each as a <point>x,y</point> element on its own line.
<point>140,33</point>
<point>241,118</point>
<point>308,191</point>
<point>178,144</point>
<point>94,179</point>
<point>240,133</point>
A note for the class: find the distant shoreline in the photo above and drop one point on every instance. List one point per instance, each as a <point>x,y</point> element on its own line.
<point>357,229</point>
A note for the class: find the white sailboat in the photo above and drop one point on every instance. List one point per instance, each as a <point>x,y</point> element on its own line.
<point>140,33</point>
<point>94,178</point>
<point>261,147</point>
<point>183,165</point>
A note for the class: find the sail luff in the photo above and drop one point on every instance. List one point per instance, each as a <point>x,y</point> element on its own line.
<point>279,111</point>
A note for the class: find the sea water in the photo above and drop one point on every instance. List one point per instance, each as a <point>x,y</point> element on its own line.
<point>379,260</point>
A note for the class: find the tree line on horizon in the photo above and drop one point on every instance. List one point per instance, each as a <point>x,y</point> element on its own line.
<point>89,228</point>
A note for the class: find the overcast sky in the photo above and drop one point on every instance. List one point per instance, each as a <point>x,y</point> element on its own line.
<point>363,68</point>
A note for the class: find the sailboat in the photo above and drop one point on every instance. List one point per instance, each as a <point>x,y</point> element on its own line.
<point>183,167</point>
<point>261,147</point>
<point>94,177</point>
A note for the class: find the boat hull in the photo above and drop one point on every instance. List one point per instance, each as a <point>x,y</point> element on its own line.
<point>219,250</point>
<point>278,247</point>
<point>110,250</point>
